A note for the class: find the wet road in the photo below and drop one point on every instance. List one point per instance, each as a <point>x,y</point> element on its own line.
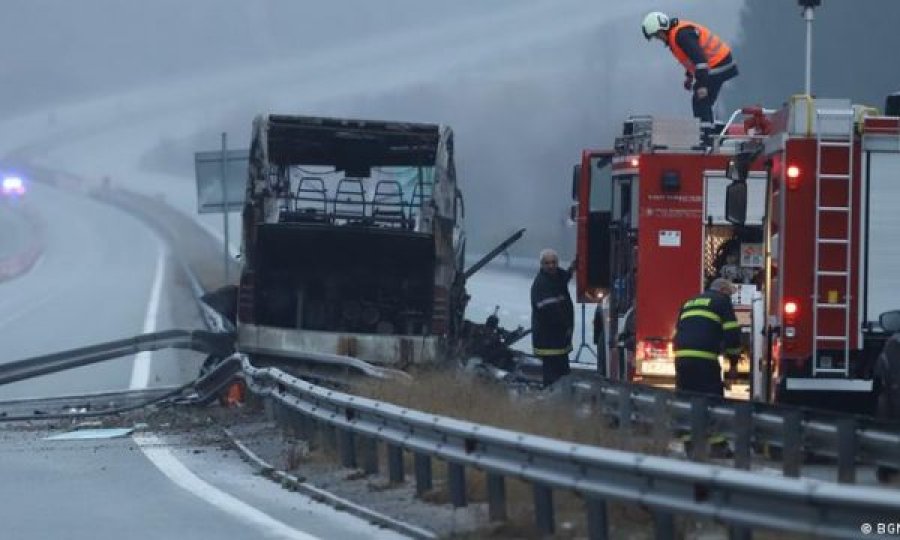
<point>104,275</point>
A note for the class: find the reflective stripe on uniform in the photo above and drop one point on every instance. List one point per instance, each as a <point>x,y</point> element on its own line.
<point>548,301</point>
<point>552,352</point>
<point>720,69</point>
<point>694,353</point>
<point>701,313</point>
<point>734,350</point>
<point>730,325</point>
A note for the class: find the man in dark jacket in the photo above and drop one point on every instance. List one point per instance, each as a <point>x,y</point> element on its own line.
<point>552,317</point>
<point>706,326</point>
<point>706,58</point>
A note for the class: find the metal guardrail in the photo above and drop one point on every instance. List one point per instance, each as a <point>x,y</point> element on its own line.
<point>851,440</point>
<point>669,487</point>
<point>197,340</point>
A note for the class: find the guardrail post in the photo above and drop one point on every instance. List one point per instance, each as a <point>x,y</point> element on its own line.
<point>743,429</point>
<point>347,445</point>
<point>792,450</point>
<point>369,448</point>
<point>663,525</point>
<point>699,428</point>
<point>395,464</point>
<point>269,410</point>
<point>740,533</point>
<point>597,520</point>
<point>328,436</point>
<point>624,406</point>
<point>496,489</point>
<point>661,419</point>
<point>456,478</point>
<point>306,427</point>
<point>846,432</point>
<point>423,473</point>
<point>543,509</point>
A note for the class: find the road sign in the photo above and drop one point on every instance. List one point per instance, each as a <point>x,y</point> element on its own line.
<point>208,170</point>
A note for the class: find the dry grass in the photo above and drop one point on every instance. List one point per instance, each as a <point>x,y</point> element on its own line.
<point>463,396</point>
<point>460,395</point>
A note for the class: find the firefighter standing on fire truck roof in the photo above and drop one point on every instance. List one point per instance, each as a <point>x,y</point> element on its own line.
<point>706,323</point>
<point>706,59</point>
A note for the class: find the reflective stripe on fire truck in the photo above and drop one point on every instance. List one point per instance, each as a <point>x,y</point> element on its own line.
<point>693,353</point>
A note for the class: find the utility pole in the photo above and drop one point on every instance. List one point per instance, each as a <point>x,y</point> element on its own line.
<point>809,7</point>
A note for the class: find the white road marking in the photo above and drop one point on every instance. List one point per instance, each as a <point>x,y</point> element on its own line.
<point>140,371</point>
<point>176,471</point>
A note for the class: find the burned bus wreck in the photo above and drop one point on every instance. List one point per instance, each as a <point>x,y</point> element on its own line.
<point>353,240</point>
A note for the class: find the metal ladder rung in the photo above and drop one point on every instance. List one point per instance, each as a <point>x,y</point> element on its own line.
<point>844,142</point>
<point>835,144</point>
<point>830,370</point>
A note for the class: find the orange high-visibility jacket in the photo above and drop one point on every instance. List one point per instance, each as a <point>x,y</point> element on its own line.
<point>715,50</point>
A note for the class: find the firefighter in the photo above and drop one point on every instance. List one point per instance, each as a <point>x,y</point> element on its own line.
<point>706,325</point>
<point>552,317</point>
<point>706,59</point>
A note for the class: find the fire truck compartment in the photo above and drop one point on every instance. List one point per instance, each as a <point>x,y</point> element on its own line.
<point>882,282</point>
<point>364,280</point>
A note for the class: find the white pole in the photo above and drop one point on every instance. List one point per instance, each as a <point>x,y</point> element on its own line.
<point>225,200</point>
<point>808,16</point>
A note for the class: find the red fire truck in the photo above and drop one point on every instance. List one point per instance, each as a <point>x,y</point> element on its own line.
<point>652,233</point>
<point>831,205</point>
<point>811,250</point>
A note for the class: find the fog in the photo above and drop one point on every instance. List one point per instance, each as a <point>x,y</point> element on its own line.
<point>853,43</point>
<point>526,84</point>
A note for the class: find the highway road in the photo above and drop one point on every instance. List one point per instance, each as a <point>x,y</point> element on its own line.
<point>14,227</point>
<point>104,275</point>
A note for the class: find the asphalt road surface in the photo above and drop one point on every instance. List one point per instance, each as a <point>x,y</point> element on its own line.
<point>103,276</point>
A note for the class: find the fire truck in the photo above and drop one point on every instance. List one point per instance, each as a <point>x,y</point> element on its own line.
<point>796,206</point>
<point>652,233</point>
<point>831,200</point>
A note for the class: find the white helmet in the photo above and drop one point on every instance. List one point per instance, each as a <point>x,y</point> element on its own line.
<point>654,22</point>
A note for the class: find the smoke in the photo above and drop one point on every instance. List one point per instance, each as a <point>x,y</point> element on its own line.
<point>852,47</point>
<point>526,84</point>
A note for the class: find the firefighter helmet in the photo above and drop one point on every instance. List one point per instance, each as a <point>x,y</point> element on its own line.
<point>654,22</point>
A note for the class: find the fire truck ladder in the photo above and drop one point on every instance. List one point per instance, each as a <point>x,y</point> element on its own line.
<point>833,143</point>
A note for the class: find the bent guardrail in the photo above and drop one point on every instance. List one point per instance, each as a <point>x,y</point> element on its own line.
<point>738,498</point>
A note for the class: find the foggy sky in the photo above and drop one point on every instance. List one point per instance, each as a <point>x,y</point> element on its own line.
<point>521,116</point>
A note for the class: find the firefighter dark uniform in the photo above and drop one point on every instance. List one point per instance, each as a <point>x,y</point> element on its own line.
<point>707,62</point>
<point>706,327</point>
<point>552,321</point>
